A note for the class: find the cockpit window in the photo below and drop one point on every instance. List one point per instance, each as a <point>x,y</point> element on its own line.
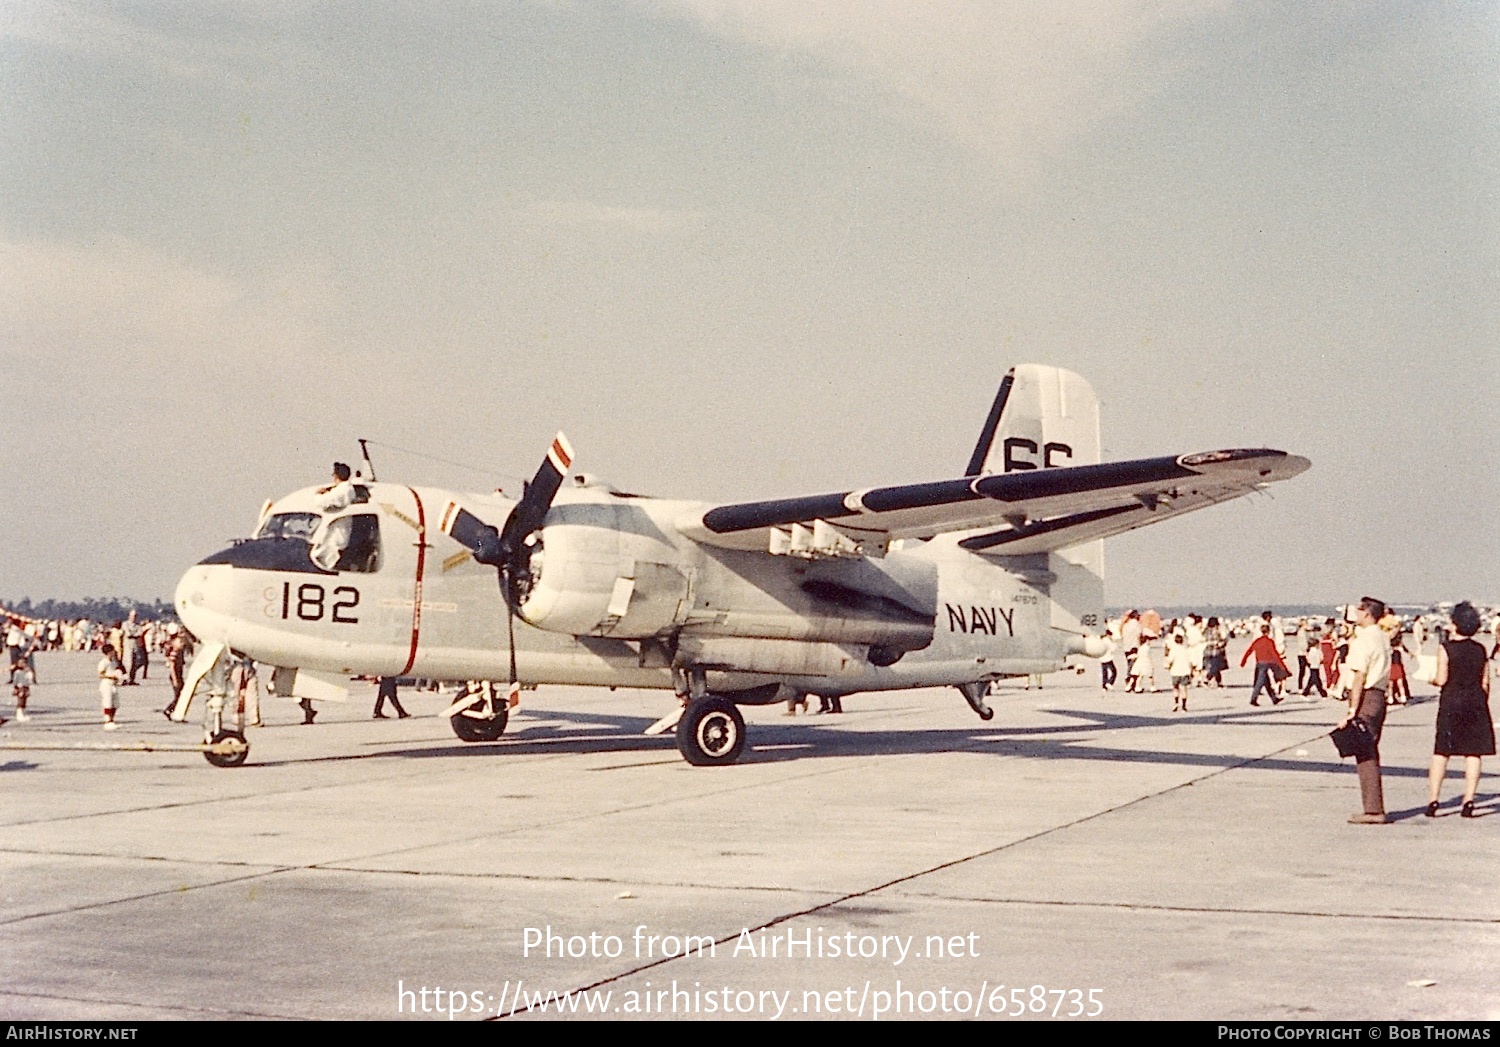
<point>290,525</point>
<point>350,543</point>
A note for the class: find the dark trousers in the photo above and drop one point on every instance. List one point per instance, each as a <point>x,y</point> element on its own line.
<point>387,693</point>
<point>139,662</point>
<point>1263,681</point>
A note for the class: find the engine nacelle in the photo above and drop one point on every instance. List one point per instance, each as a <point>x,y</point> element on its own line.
<point>592,577</point>
<point>610,570</point>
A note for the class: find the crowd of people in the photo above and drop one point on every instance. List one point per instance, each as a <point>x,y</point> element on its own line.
<point>1192,651</point>
<point>126,648</point>
<point>1366,658</point>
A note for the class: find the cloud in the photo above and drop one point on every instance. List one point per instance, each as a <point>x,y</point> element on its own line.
<point>101,300</point>
<point>1013,80</point>
<point>96,32</point>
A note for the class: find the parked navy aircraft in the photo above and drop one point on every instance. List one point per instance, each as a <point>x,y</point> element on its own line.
<point>956,582</point>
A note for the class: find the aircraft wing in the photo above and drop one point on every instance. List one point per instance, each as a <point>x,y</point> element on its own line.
<point>1020,512</point>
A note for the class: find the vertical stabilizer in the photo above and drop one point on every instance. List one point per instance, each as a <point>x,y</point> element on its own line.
<point>1047,418</point>
<point>1043,417</point>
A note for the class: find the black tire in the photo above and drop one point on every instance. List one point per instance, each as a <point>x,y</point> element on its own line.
<point>232,759</point>
<point>489,730</point>
<point>711,732</point>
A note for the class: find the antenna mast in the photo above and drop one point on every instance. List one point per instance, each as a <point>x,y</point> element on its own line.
<point>369,465</point>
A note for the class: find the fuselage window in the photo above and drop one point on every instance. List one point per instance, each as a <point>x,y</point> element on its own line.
<point>290,525</point>
<point>350,543</point>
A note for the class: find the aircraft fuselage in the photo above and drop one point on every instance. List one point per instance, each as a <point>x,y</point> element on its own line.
<point>620,597</point>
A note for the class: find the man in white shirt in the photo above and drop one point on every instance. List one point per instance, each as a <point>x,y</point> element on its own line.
<point>1369,668</point>
<point>340,493</point>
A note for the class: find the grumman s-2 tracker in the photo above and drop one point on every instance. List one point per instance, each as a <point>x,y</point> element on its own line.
<point>956,582</point>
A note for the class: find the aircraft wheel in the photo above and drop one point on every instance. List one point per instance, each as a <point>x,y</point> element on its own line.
<point>711,732</point>
<point>488,730</point>
<point>233,759</point>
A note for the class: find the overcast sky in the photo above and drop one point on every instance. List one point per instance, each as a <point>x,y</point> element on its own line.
<point>751,248</point>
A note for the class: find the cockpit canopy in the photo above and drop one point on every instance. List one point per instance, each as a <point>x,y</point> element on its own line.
<point>289,525</point>
<point>335,541</point>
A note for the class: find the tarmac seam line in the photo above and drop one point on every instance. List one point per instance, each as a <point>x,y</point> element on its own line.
<point>1209,910</point>
<point>530,878</point>
<point>112,856</point>
<point>175,1008</point>
<point>183,889</point>
<point>682,797</point>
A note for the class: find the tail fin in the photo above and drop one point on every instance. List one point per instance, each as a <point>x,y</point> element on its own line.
<point>1042,417</point>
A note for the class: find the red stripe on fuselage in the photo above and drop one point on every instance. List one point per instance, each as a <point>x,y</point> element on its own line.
<point>416,598</point>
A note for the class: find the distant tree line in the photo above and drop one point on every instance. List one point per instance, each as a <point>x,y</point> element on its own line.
<point>1306,610</point>
<point>99,609</point>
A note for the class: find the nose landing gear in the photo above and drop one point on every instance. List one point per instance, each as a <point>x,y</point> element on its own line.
<point>222,747</point>
<point>226,749</point>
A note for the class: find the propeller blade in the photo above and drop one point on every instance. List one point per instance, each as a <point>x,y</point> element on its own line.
<point>529,512</point>
<point>498,548</point>
<point>473,533</point>
<point>494,546</point>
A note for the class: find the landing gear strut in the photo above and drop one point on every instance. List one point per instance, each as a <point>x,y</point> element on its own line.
<point>711,732</point>
<point>222,747</point>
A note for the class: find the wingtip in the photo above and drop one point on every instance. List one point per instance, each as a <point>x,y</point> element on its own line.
<point>1271,463</point>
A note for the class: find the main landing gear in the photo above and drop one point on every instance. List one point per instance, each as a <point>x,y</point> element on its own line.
<point>711,732</point>
<point>485,729</point>
<point>482,719</point>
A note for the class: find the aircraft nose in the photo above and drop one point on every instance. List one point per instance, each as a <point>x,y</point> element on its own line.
<point>203,601</point>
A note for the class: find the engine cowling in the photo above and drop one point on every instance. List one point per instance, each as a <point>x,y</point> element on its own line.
<point>586,576</point>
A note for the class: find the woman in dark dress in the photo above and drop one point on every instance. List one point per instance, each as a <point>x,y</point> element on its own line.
<point>1463,720</point>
